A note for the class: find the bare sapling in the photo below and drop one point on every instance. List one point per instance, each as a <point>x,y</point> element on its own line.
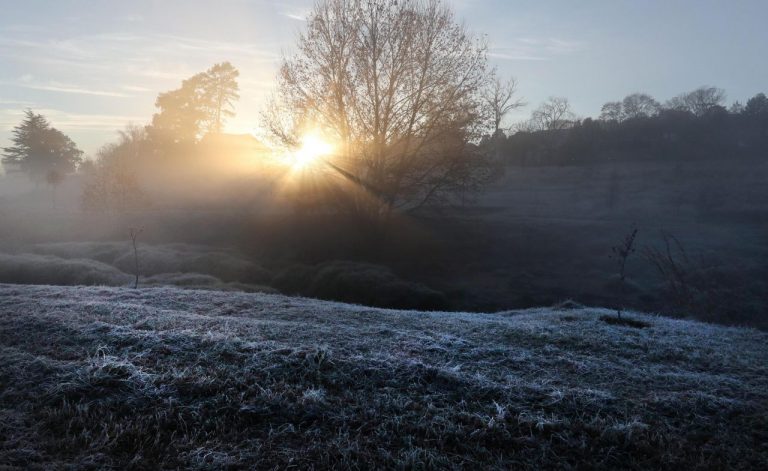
<point>621,253</point>
<point>134,234</point>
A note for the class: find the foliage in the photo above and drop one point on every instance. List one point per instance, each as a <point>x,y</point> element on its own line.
<point>699,102</point>
<point>202,104</point>
<point>634,106</point>
<point>40,149</point>
<point>693,125</point>
<point>757,106</point>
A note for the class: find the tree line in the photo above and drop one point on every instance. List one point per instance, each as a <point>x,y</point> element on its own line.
<point>414,109</point>
<point>692,125</point>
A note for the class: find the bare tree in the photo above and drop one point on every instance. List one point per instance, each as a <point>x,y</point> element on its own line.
<point>500,99</point>
<point>133,233</point>
<point>553,114</point>
<point>622,252</point>
<point>112,181</point>
<point>673,265</point>
<point>398,87</point>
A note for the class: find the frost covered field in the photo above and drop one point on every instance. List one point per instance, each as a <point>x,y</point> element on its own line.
<point>167,378</point>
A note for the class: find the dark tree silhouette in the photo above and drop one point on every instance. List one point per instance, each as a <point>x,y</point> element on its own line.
<point>500,99</point>
<point>180,117</point>
<point>553,114</point>
<point>639,105</point>
<point>636,105</point>
<point>699,101</point>
<point>621,253</point>
<point>757,105</point>
<point>612,111</point>
<point>39,148</point>
<point>134,235</point>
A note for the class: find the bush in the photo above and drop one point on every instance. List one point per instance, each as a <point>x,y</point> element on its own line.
<point>226,265</point>
<point>359,283</point>
<point>182,258</point>
<point>51,270</point>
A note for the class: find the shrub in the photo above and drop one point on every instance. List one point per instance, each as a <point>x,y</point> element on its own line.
<point>223,264</point>
<point>360,283</point>
<point>51,270</point>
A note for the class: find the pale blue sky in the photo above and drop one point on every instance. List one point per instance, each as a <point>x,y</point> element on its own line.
<point>93,66</point>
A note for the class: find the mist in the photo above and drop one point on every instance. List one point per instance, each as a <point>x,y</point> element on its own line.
<point>231,213</point>
<point>402,238</point>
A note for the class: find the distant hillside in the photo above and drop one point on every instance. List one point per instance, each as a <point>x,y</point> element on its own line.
<point>166,378</point>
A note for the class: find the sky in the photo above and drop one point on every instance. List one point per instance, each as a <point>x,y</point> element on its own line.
<point>94,66</point>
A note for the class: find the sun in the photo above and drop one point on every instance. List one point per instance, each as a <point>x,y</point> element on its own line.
<point>313,147</point>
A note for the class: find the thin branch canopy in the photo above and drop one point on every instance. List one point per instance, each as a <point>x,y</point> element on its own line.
<point>398,85</point>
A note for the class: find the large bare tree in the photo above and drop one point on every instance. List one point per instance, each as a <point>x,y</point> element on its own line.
<point>500,99</point>
<point>553,114</point>
<point>398,86</point>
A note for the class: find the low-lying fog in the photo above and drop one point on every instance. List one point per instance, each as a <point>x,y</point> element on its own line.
<point>537,236</point>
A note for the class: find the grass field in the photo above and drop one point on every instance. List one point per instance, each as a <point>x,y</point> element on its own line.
<point>99,378</point>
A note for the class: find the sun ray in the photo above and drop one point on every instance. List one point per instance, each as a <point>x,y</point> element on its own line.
<point>313,148</point>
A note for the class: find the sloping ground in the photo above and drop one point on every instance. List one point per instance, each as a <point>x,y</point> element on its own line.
<point>166,378</point>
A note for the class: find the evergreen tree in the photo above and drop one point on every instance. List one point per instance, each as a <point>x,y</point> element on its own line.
<point>219,93</point>
<point>39,149</point>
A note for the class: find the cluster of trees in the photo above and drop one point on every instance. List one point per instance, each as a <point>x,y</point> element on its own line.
<point>404,92</point>
<point>402,89</point>
<point>200,106</point>
<point>692,125</point>
<point>112,181</point>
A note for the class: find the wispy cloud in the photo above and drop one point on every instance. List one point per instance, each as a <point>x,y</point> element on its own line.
<point>298,15</point>
<point>292,10</point>
<point>63,88</point>
<point>135,88</point>
<point>133,18</point>
<point>512,56</point>
<point>66,121</point>
<point>536,49</point>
